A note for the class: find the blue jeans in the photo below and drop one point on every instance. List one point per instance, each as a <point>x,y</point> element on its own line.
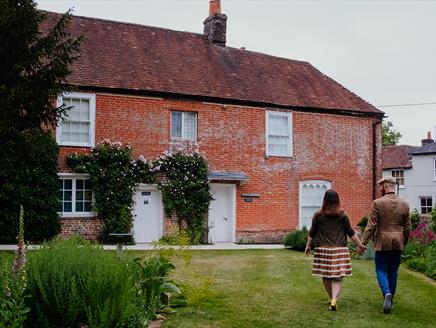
<point>386,267</point>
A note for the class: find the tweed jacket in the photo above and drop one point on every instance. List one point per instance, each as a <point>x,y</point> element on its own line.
<point>388,224</point>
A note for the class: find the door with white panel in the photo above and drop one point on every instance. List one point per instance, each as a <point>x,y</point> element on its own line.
<point>148,215</point>
<point>221,221</point>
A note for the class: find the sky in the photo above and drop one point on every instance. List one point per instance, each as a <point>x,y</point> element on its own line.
<point>384,51</point>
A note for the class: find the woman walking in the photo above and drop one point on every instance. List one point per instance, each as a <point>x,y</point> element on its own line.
<point>330,228</point>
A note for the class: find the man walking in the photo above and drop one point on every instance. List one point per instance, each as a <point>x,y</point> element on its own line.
<point>389,228</point>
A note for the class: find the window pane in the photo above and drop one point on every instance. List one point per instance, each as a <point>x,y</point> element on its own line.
<point>68,195</point>
<point>79,195</point>
<point>176,124</point>
<point>88,195</point>
<point>84,110</point>
<point>190,126</point>
<point>67,206</point>
<point>79,206</point>
<point>88,206</point>
<point>79,184</point>
<point>278,125</point>
<point>88,184</point>
<point>84,137</point>
<point>60,207</point>
<point>278,145</point>
<point>68,184</point>
<point>73,114</point>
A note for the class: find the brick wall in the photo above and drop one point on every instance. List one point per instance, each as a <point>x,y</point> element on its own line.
<point>325,147</point>
<point>89,228</point>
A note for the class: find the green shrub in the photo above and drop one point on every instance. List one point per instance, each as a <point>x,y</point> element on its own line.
<point>73,283</point>
<point>363,222</point>
<point>414,249</point>
<point>297,239</point>
<point>153,284</point>
<point>28,177</point>
<point>417,264</point>
<point>431,262</point>
<point>415,218</point>
<point>433,219</point>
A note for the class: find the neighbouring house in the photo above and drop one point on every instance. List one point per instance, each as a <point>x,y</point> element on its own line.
<point>276,132</point>
<point>415,170</point>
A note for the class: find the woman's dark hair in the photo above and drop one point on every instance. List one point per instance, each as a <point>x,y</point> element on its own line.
<point>331,205</point>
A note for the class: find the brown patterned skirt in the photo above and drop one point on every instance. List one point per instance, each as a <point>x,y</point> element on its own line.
<point>331,262</point>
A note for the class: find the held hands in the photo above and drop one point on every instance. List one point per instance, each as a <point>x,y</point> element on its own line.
<point>361,249</point>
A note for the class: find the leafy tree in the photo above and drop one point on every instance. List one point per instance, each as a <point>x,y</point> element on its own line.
<point>34,61</point>
<point>390,136</point>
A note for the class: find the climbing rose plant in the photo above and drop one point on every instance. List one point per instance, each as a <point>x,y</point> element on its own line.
<point>185,189</point>
<point>113,175</point>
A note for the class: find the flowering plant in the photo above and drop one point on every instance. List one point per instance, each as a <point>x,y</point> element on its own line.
<point>422,233</point>
<point>13,311</point>
<point>185,188</point>
<point>114,176</point>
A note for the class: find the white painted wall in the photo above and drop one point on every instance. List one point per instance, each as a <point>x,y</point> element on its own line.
<point>418,181</point>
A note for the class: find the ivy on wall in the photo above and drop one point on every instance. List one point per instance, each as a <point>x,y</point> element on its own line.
<point>114,175</point>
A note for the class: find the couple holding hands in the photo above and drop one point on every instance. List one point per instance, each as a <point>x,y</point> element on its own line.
<point>388,226</point>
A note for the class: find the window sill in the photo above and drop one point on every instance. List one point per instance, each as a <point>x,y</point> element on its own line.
<point>401,187</point>
<point>72,144</point>
<point>77,215</point>
<point>279,156</point>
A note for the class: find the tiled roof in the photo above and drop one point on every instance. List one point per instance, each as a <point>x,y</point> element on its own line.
<point>397,157</point>
<point>427,149</point>
<point>126,56</point>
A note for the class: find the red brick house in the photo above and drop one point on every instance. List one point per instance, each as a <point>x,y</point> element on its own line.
<point>276,132</point>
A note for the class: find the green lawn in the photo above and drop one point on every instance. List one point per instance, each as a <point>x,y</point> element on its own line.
<point>274,288</point>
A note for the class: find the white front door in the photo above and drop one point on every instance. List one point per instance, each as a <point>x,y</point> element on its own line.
<point>221,221</point>
<point>148,215</point>
<point>311,197</point>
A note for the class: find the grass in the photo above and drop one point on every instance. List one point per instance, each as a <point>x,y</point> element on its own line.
<point>274,288</point>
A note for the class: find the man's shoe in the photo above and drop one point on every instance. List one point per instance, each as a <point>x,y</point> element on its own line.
<point>387,303</point>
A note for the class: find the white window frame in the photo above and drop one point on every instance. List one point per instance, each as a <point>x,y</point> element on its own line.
<point>401,186</point>
<point>73,213</point>
<point>421,207</point>
<point>91,98</point>
<point>434,169</point>
<point>328,185</point>
<point>290,143</point>
<point>184,112</point>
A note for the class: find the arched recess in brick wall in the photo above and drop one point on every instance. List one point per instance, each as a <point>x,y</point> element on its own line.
<point>311,196</point>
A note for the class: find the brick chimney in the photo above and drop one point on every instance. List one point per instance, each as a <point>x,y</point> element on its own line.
<point>215,26</point>
<point>429,140</point>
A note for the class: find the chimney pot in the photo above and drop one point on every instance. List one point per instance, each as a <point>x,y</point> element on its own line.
<point>211,7</point>
<point>429,140</point>
<point>217,7</point>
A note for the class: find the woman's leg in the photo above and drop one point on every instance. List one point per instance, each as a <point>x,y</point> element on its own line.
<point>336,288</point>
<point>328,286</point>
